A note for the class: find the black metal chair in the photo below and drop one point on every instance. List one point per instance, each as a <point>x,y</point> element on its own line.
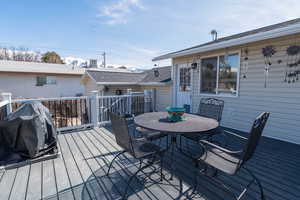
<point>151,135</point>
<point>230,162</point>
<point>210,108</point>
<point>139,148</point>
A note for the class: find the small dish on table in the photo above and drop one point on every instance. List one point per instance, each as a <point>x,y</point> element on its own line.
<point>175,114</point>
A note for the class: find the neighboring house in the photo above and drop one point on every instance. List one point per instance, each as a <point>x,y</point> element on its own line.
<point>118,83</point>
<point>37,80</point>
<point>233,68</point>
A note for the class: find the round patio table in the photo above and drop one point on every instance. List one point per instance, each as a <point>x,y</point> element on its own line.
<point>191,124</point>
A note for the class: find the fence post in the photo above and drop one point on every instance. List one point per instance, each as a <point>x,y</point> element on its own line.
<point>95,108</point>
<point>7,97</point>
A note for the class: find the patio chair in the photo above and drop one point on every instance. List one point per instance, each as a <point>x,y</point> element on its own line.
<point>151,135</point>
<point>139,148</point>
<point>210,108</point>
<point>230,162</point>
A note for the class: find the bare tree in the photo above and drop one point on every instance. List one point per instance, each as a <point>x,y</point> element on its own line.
<point>19,54</point>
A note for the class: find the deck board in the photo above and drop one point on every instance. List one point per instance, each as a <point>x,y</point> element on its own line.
<point>77,181</point>
<point>110,143</point>
<point>20,186</point>
<point>80,173</point>
<point>63,183</point>
<point>34,188</point>
<point>7,183</point>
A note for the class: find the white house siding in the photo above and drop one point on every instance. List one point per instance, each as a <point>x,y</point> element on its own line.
<point>89,86</point>
<point>23,85</point>
<point>281,99</point>
<point>163,97</point>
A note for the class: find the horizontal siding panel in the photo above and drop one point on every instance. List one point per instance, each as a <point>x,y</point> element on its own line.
<point>281,99</point>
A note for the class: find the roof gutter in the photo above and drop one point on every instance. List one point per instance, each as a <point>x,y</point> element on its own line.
<point>293,29</point>
<point>154,84</point>
<point>117,83</point>
<point>134,83</point>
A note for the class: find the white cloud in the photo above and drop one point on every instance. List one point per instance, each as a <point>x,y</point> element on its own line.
<point>243,15</point>
<point>118,12</point>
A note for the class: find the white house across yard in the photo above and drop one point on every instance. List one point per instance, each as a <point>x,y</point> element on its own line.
<point>252,72</point>
<point>108,83</point>
<point>37,80</point>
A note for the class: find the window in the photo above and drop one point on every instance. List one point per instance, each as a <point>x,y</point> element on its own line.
<point>185,79</point>
<point>219,75</point>
<point>209,68</point>
<point>45,80</point>
<point>51,80</point>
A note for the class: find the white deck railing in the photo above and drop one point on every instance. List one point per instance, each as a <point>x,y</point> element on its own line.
<point>81,112</point>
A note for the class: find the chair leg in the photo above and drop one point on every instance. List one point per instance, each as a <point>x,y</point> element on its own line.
<point>262,195</point>
<point>140,165</point>
<point>161,168</point>
<point>167,141</point>
<point>110,165</point>
<point>180,143</point>
<point>131,178</point>
<point>196,168</point>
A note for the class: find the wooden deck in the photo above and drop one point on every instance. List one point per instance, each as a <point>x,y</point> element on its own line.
<point>79,173</point>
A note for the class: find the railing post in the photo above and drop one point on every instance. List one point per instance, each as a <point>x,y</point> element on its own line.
<point>147,101</point>
<point>7,97</point>
<point>129,92</point>
<point>95,108</point>
<point>153,99</point>
<point>101,106</point>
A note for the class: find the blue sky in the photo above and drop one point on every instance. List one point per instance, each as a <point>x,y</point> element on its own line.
<point>132,32</point>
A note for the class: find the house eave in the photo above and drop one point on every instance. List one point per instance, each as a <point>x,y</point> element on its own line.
<point>290,30</point>
<point>154,84</point>
<point>117,83</point>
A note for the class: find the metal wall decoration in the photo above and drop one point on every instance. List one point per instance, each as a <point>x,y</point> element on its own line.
<point>245,63</point>
<point>268,52</point>
<point>292,64</point>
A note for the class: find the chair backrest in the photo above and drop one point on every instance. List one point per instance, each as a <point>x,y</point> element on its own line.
<point>211,108</point>
<point>255,135</point>
<point>120,129</point>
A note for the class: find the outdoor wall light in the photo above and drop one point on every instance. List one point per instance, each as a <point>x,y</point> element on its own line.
<point>194,65</point>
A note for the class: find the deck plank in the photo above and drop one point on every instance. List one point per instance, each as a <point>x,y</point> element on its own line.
<point>104,190</point>
<point>73,171</point>
<point>79,173</point>
<point>34,190</point>
<point>49,186</point>
<point>118,170</point>
<point>90,184</point>
<point>154,189</point>
<point>7,182</point>
<point>63,182</point>
<point>108,184</point>
<point>20,186</point>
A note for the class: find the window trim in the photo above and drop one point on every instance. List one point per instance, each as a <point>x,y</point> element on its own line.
<point>218,68</point>
<point>190,78</point>
<point>46,80</point>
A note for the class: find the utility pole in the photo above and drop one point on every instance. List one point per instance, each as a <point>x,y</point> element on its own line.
<point>104,59</point>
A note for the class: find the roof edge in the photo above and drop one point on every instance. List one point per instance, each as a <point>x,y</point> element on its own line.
<point>289,30</point>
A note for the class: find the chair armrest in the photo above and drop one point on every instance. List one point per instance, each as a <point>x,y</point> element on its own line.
<point>220,148</point>
<point>236,135</point>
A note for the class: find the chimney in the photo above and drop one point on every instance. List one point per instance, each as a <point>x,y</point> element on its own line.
<point>214,34</point>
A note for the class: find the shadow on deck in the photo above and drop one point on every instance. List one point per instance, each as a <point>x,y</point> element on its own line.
<point>79,173</point>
